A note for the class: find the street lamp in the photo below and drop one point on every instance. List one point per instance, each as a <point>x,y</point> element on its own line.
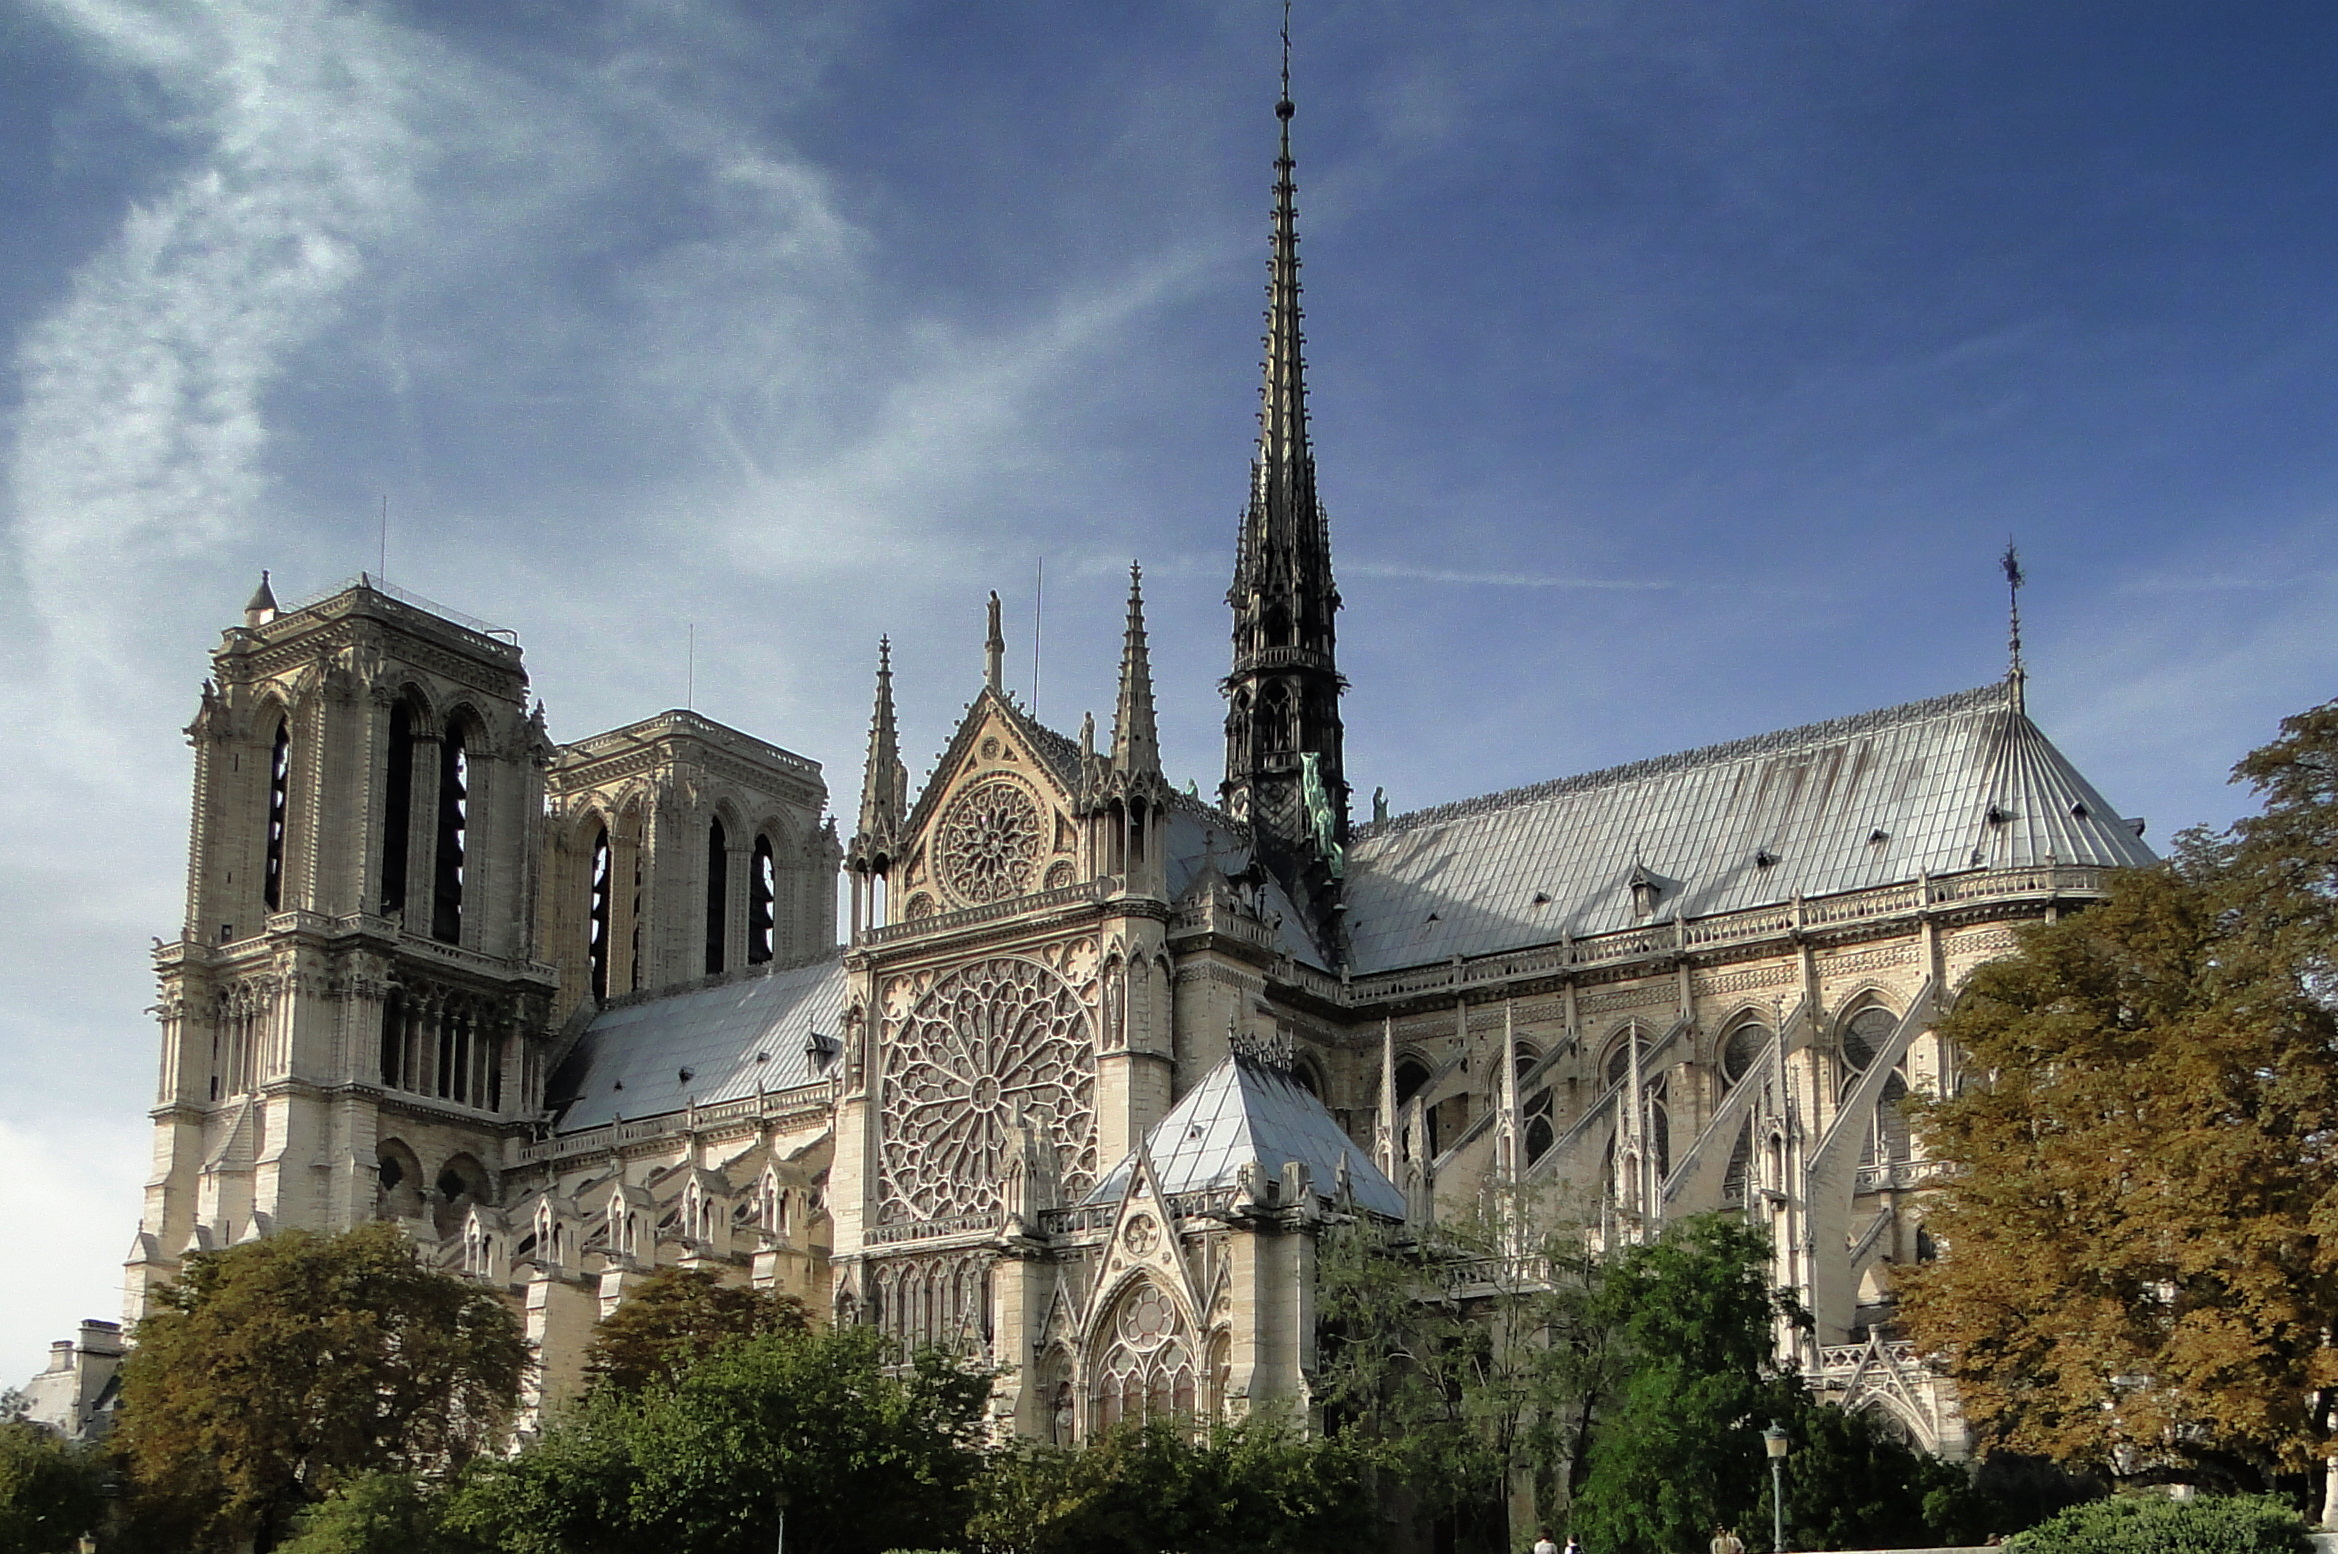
<point>779,1499</point>
<point>1774,1442</point>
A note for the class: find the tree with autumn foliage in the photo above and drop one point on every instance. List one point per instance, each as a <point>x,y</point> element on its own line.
<point>277,1371</point>
<point>2141,1229</point>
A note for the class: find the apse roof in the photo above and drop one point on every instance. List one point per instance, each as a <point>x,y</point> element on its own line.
<point>1243,1111</point>
<point>1958,782</point>
<point>644,1057</point>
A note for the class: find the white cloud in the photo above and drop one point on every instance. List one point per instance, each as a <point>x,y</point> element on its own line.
<point>69,1203</point>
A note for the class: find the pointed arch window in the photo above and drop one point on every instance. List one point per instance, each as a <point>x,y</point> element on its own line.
<point>397,809</point>
<point>718,895</point>
<point>1148,1369</point>
<point>762,903</point>
<point>454,824</point>
<point>597,915</point>
<point>1741,1049</point>
<point>279,810</point>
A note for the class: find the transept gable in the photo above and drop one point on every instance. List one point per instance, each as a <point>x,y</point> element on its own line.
<point>1144,1244</point>
<point>997,818</point>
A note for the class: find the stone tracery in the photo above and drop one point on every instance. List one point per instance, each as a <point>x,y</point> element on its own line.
<point>989,841</point>
<point>992,1041</point>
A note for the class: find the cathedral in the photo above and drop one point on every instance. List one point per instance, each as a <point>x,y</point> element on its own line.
<point>1097,1059</point>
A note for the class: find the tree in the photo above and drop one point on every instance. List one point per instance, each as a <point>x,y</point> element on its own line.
<point>375,1513</point>
<point>51,1492</point>
<point>1679,1449</point>
<point>874,1451</point>
<point>1256,1487</point>
<point>2136,1524</point>
<point>2142,1273</point>
<point>279,1369</point>
<point>676,1315</point>
<point>1851,1484</point>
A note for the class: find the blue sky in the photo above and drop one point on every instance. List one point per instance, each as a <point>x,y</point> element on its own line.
<point>1679,371</point>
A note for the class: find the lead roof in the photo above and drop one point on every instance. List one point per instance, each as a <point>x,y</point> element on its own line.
<point>1933,787</point>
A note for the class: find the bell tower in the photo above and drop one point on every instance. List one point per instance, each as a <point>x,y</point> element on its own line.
<point>353,1021</point>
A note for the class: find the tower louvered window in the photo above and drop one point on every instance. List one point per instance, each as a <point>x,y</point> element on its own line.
<point>762,902</point>
<point>454,823</point>
<point>597,916</point>
<point>718,895</point>
<point>279,808</point>
<point>397,809</point>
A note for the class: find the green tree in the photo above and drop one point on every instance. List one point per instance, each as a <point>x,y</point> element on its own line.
<point>1256,1487</point>
<point>2139,1524</point>
<point>873,1452</point>
<point>1852,1484</point>
<point>374,1513</point>
<point>280,1369</point>
<point>1679,1450</point>
<point>674,1316</point>
<point>51,1492</point>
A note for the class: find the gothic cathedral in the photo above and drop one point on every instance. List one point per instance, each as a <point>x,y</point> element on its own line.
<point>1098,1059</point>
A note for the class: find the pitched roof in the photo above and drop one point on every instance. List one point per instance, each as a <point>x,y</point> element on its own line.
<point>1958,782</point>
<point>1243,1111</point>
<point>645,1057</point>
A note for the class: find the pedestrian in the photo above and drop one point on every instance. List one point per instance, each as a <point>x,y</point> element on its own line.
<point>1572,1546</point>
<point>1726,1541</point>
<point>1543,1544</point>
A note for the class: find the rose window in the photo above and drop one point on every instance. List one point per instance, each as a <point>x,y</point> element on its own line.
<point>987,1044</point>
<point>990,841</point>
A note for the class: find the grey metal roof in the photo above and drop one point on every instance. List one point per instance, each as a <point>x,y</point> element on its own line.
<point>1959,782</point>
<point>1200,838</point>
<point>649,1056</point>
<point>1243,1111</point>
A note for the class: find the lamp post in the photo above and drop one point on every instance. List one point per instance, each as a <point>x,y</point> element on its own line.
<point>1774,1442</point>
<point>779,1499</point>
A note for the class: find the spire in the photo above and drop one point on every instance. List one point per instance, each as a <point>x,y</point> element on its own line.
<point>1136,741</point>
<point>2016,677</point>
<point>1284,689</point>
<point>262,608</point>
<point>994,651</point>
<point>885,780</point>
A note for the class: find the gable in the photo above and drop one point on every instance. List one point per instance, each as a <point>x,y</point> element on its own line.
<point>995,820</point>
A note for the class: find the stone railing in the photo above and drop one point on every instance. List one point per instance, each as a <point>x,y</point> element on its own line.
<point>1898,1175</point>
<point>1840,1360</point>
<point>931,1229</point>
<point>1087,893</point>
<point>1754,925</point>
<point>691,1119</point>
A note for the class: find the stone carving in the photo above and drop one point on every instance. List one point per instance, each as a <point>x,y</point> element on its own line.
<point>990,840</point>
<point>986,1044</point>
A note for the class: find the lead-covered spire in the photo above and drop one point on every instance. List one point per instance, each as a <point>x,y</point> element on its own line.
<point>1284,689</point>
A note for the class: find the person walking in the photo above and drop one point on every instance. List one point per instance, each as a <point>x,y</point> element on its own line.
<point>1726,1541</point>
<point>1543,1544</point>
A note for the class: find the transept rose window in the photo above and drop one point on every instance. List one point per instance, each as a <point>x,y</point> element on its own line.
<point>990,842</point>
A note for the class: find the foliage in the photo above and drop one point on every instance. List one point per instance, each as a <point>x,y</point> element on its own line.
<point>1251,1488</point>
<point>1852,1484</point>
<point>51,1491</point>
<point>1462,1354</point>
<point>375,1513</point>
<point>279,1369</point>
<point>872,1454</point>
<point>1679,1450</point>
<point>2146,1196</point>
<point>675,1315</point>
<point>2134,1524</point>
<point>2006,1493</point>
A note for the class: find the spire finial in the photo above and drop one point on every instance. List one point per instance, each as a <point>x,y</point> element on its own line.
<point>994,651</point>
<point>2016,676</point>
<point>884,782</point>
<point>1283,108</point>
<point>262,607</point>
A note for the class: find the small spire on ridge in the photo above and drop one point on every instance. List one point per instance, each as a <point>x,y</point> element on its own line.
<point>1136,740</point>
<point>2015,676</point>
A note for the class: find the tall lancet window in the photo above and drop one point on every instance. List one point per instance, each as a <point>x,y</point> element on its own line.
<point>454,823</point>
<point>397,809</point>
<point>279,807</point>
<point>718,895</point>
<point>597,917</point>
<point>762,901</point>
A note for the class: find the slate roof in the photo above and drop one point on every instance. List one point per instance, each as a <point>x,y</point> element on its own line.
<point>1958,782</point>
<point>1199,838</point>
<point>735,1038</point>
<point>1243,1111</point>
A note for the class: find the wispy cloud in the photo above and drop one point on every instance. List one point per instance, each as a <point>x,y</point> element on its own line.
<point>1415,574</point>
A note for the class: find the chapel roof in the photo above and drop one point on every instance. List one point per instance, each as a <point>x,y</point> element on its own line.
<point>1243,1111</point>
<point>1958,782</point>
<point>645,1056</point>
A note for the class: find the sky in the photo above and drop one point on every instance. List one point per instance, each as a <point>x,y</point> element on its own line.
<point>1679,371</point>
